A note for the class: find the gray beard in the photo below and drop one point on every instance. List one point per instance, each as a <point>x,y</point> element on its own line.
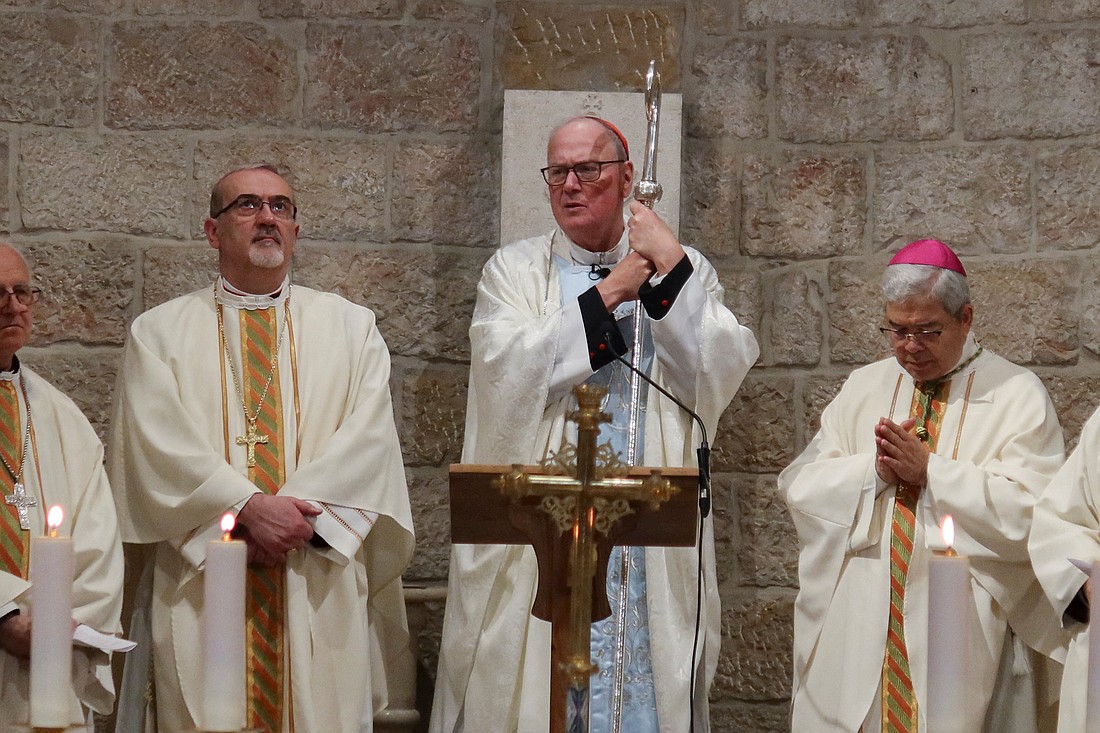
<point>268,258</point>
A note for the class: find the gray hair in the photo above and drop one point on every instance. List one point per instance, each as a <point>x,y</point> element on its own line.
<point>216,202</point>
<point>19,254</point>
<point>609,133</point>
<point>950,288</point>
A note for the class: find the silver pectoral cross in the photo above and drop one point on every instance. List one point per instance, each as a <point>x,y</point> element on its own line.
<point>21,501</point>
<point>251,438</point>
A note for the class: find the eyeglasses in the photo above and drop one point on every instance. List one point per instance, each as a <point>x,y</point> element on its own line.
<point>249,204</point>
<point>899,336</point>
<point>22,293</point>
<point>586,171</point>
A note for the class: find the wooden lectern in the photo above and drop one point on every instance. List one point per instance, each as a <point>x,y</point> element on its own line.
<point>572,509</point>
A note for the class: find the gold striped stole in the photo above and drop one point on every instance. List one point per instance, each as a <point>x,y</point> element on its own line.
<point>14,540</point>
<point>899,701</point>
<point>266,586</point>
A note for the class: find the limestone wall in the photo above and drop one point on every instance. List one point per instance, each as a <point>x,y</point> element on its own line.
<point>819,137</point>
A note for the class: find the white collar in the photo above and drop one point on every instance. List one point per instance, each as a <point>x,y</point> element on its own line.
<point>969,347</point>
<point>11,375</point>
<point>613,256</point>
<point>229,295</point>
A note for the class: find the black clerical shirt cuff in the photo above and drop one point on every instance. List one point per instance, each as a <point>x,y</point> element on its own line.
<point>1078,608</point>
<point>658,299</point>
<point>600,330</point>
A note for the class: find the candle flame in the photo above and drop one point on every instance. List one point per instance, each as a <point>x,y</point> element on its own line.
<point>948,529</point>
<point>55,517</point>
<point>228,522</point>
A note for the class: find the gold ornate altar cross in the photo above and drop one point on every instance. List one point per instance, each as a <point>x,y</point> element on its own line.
<point>573,508</point>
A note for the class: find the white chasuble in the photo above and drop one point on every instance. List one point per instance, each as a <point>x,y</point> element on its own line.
<point>999,443</point>
<point>64,466</point>
<point>1067,526</point>
<point>173,428</point>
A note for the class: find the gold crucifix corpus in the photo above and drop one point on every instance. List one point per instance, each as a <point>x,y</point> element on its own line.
<point>251,438</point>
<point>584,491</point>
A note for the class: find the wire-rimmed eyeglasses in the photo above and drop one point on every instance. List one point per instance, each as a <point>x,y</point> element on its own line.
<point>249,204</point>
<point>23,293</point>
<point>899,336</point>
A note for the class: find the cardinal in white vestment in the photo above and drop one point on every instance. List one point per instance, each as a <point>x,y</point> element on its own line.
<point>271,401</point>
<point>50,455</point>
<point>1067,527</point>
<point>549,312</point>
<point>944,427</point>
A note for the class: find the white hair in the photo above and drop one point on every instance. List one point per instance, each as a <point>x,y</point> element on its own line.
<point>950,288</point>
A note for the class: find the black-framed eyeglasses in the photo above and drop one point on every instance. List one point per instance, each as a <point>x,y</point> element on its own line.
<point>249,204</point>
<point>586,171</point>
<point>23,293</point>
<point>899,336</point>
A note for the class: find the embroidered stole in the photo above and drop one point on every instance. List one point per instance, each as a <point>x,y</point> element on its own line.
<point>899,701</point>
<point>14,541</point>
<point>265,599</point>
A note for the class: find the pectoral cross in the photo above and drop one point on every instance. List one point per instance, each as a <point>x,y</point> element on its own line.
<point>21,501</point>
<point>251,438</point>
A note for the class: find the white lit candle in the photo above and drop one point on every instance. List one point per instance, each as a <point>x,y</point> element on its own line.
<point>1092,707</point>
<point>51,576</point>
<point>223,633</point>
<point>949,599</point>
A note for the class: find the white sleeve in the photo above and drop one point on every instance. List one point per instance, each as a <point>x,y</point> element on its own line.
<point>343,528</point>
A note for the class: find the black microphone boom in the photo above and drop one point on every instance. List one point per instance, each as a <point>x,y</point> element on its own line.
<point>704,511</point>
<point>703,452</point>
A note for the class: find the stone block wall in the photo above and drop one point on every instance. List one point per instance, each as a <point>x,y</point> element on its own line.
<point>820,136</point>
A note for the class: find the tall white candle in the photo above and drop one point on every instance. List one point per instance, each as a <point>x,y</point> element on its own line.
<point>51,576</point>
<point>223,707</point>
<point>949,598</point>
<point>1092,707</point>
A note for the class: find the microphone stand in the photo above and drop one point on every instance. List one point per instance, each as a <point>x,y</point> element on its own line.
<point>702,453</point>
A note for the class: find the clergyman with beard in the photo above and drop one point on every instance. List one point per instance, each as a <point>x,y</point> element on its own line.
<point>268,400</point>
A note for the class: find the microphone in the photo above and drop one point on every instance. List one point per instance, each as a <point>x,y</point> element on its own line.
<point>598,272</point>
<point>702,453</point>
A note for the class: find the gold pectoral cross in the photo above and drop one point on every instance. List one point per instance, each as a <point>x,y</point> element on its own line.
<point>251,438</point>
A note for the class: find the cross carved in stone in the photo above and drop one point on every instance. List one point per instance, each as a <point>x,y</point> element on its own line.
<point>21,500</point>
<point>251,438</point>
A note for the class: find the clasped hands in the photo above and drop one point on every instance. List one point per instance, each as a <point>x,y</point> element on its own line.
<point>900,456</point>
<point>274,525</point>
<point>654,249</point>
